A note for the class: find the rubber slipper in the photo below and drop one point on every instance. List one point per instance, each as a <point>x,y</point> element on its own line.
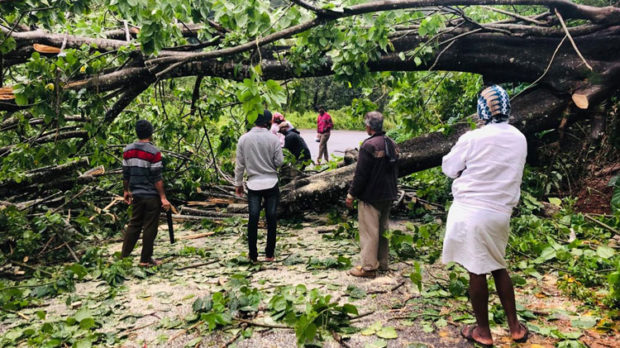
<point>525,336</point>
<point>470,336</point>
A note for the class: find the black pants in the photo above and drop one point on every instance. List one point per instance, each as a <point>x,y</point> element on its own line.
<point>145,218</point>
<point>271,197</point>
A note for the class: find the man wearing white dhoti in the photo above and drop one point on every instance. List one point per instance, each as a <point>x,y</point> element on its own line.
<point>487,164</point>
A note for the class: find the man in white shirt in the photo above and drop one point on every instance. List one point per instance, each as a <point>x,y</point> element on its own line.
<point>259,154</point>
<point>487,165</point>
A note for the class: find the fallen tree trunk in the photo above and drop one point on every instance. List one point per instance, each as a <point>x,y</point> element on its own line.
<point>530,114</point>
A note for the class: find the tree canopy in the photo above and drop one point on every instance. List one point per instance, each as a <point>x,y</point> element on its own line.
<point>77,74</point>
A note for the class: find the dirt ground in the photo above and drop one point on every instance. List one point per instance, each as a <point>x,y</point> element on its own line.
<point>150,312</point>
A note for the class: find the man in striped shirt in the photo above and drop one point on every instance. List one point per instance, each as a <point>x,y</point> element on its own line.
<point>144,190</point>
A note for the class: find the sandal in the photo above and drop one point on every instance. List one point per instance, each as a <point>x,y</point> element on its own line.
<point>525,335</point>
<point>470,336</point>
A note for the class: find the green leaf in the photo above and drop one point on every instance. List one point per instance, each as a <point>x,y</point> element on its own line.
<point>87,323</point>
<point>83,343</point>
<point>193,342</point>
<point>355,292</point>
<point>605,252</point>
<point>615,198</point>
<point>13,335</point>
<point>21,99</point>
<point>372,329</point>
<point>441,323</point>
<point>547,254</point>
<point>387,332</point>
<point>350,309</point>
<point>416,275</point>
<point>555,201</point>
<point>584,322</point>
<point>82,314</point>
<point>376,344</point>
<point>417,61</point>
<point>427,327</point>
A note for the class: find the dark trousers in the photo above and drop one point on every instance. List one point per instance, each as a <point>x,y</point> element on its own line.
<point>145,218</point>
<point>271,198</point>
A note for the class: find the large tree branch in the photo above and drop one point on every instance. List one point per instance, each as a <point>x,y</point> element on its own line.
<point>492,55</point>
<point>606,15</point>
<point>73,41</point>
<point>50,138</point>
<point>531,113</point>
<point>602,15</point>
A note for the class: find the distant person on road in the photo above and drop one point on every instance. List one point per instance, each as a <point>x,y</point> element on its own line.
<point>374,186</point>
<point>143,188</point>
<point>276,121</point>
<point>324,126</point>
<point>259,154</point>
<point>295,143</point>
<point>487,167</point>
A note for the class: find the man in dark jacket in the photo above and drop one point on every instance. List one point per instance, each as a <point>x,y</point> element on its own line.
<point>374,185</point>
<point>144,190</point>
<point>294,142</point>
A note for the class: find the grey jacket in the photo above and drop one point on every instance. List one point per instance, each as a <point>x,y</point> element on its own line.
<point>259,154</point>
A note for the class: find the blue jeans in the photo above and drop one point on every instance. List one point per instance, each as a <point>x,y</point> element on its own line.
<point>271,198</point>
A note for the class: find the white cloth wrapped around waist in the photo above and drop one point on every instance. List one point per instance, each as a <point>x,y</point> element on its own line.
<point>476,238</point>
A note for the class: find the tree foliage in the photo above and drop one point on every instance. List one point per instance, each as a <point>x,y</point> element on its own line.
<point>78,74</point>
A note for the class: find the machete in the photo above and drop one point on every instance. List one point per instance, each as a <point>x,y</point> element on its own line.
<point>169,219</point>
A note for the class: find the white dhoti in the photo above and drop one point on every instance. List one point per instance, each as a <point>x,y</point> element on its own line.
<point>476,238</point>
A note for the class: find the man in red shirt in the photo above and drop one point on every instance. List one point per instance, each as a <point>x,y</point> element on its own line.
<point>324,126</point>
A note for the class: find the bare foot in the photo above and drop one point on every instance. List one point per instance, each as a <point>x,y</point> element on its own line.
<point>475,334</point>
<point>521,334</point>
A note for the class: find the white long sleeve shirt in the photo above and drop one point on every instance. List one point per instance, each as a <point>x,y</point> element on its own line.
<point>488,166</point>
<point>259,153</point>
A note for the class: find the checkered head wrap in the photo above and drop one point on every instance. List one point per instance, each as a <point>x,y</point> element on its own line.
<point>493,105</point>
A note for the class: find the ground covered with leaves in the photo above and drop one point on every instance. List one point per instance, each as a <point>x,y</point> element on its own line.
<point>565,270</point>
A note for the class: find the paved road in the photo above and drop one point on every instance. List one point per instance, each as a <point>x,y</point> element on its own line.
<point>339,141</point>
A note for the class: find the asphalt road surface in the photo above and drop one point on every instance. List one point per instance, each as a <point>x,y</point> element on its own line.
<point>338,142</point>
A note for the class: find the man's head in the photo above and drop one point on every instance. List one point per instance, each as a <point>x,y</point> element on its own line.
<point>144,129</point>
<point>494,105</point>
<point>264,119</point>
<point>321,110</point>
<point>284,127</point>
<point>374,122</point>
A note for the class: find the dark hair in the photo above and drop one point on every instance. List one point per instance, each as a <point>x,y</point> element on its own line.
<point>144,129</point>
<point>263,119</point>
<point>321,110</point>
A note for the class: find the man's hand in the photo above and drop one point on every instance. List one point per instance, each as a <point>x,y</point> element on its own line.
<point>349,202</point>
<point>165,204</point>
<point>239,191</point>
<point>127,198</point>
